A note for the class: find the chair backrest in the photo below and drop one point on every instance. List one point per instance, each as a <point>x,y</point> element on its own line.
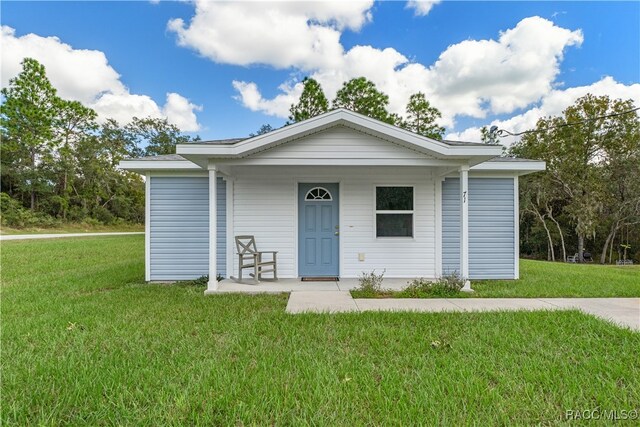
<point>246,245</point>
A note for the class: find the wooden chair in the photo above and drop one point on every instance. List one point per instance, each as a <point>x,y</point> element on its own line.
<point>250,257</point>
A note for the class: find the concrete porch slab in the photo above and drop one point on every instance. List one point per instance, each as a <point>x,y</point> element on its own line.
<point>282,285</point>
<point>290,285</point>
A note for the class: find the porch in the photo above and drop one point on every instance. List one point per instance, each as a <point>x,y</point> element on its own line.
<point>295,285</point>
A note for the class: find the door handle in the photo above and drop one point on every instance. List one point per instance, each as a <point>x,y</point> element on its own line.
<point>337,233</point>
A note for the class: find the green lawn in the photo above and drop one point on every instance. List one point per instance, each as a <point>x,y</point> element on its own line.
<point>549,279</point>
<point>85,342</point>
<point>73,228</point>
<point>554,279</point>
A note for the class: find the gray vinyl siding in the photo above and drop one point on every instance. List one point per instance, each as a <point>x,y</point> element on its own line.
<point>179,227</point>
<point>491,227</point>
<point>451,226</point>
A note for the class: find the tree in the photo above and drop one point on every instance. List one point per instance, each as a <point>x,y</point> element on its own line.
<point>540,198</point>
<point>312,102</point>
<point>266,128</point>
<point>158,136</point>
<point>26,119</point>
<point>620,164</point>
<point>421,117</point>
<point>362,96</point>
<point>73,124</point>
<point>488,137</point>
<point>119,142</point>
<point>591,153</point>
<point>59,162</point>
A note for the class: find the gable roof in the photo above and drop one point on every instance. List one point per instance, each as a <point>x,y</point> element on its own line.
<point>199,155</point>
<point>341,117</point>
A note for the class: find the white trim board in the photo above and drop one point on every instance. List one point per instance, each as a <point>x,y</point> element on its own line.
<point>147,228</point>
<point>516,228</point>
<point>231,249</point>
<point>141,166</point>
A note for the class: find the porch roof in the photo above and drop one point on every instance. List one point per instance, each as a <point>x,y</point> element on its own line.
<point>238,151</point>
<point>179,163</point>
<point>242,148</point>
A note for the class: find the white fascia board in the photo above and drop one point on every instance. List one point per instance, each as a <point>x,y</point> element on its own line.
<point>141,166</point>
<point>520,168</point>
<point>335,162</point>
<point>339,117</point>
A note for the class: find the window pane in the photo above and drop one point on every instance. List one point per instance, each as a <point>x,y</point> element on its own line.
<point>394,225</point>
<point>394,198</point>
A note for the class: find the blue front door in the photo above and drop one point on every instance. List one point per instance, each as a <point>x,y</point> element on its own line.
<point>318,230</point>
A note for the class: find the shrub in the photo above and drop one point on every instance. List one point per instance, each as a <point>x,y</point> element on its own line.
<point>200,281</point>
<point>16,215</point>
<point>370,285</point>
<point>103,215</point>
<point>91,222</point>
<point>447,285</point>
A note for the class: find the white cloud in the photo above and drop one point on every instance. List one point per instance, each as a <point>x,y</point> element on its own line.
<point>123,107</point>
<point>472,78</point>
<point>86,76</point>
<point>305,35</point>
<point>553,104</point>
<point>421,7</point>
<point>181,112</point>
<point>250,96</point>
<point>476,78</point>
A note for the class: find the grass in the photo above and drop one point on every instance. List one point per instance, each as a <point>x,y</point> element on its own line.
<point>80,227</point>
<point>84,341</point>
<point>540,279</point>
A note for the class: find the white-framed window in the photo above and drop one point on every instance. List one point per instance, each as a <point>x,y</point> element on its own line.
<point>394,211</point>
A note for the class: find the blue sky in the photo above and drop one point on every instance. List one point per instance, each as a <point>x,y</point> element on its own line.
<point>570,49</point>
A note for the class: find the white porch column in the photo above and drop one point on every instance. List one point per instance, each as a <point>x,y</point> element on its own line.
<point>212,286</point>
<point>464,227</point>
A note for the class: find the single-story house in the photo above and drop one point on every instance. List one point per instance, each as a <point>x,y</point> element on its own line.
<point>336,195</point>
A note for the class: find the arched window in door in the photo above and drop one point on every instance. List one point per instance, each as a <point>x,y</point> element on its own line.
<point>318,194</point>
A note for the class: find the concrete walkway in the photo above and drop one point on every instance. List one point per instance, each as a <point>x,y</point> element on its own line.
<point>621,311</point>
<point>55,236</point>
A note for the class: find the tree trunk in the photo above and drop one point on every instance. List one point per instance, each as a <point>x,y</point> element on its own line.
<point>33,191</point>
<point>564,249</point>
<point>64,193</point>
<point>603,255</point>
<point>580,247</point>
<point>613,239</point>
<point>544,224</point>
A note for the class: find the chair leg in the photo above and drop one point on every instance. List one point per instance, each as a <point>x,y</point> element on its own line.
<point>256,275</point>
